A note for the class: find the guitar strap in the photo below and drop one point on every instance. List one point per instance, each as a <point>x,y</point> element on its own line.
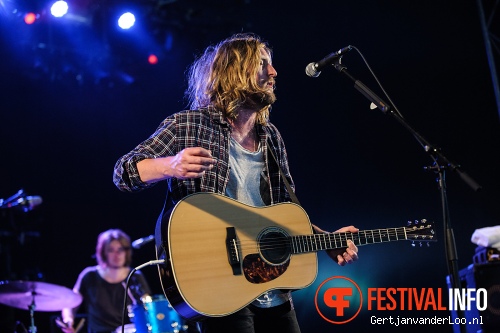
<point>287,184</point>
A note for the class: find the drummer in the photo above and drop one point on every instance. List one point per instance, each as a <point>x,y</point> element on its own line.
<point>103,286</point>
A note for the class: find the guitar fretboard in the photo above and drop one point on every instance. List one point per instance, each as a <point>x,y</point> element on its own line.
<point>318,242</point>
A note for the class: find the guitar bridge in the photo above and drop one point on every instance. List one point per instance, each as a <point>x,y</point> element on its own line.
<point>233,253</point>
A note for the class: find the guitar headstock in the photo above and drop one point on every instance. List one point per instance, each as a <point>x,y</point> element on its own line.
<point>420,231</point>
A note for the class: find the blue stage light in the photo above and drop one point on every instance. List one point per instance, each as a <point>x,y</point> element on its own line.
<point>59,8</point>
<point>126,21</point>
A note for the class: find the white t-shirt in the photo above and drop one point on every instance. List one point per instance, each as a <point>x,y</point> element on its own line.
<point>246,168</point>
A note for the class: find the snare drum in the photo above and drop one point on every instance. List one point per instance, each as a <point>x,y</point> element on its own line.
<point>162,318</point>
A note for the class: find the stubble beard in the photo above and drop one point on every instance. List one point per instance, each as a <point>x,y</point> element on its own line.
<point>261,99</point>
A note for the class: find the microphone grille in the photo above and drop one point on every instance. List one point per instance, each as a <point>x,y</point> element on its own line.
<point>311,70</point>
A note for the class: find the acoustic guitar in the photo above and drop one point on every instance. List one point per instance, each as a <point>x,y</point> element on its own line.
<point>222,254</point>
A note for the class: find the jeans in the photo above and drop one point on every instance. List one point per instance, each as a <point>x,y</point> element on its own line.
<point>251,319</point>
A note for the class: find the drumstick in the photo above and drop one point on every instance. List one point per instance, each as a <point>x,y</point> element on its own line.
<point>80,325</point>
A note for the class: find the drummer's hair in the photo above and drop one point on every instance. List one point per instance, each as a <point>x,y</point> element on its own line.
<point>103,241</point>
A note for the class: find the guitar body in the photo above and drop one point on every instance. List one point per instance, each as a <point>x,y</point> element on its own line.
<point>217,259</point>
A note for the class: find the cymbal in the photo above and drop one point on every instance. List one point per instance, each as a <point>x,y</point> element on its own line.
<point>46,296</point>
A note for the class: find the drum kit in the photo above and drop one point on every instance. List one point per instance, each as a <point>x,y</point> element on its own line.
<point>153,315</point>
<point>37,296</point>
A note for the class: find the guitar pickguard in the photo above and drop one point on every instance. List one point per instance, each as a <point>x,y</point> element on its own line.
<point>257,270</point>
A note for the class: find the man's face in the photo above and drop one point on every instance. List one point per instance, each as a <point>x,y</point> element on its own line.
<point>265,78</point>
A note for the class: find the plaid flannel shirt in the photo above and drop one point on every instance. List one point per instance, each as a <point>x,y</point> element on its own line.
<point>205,128</point>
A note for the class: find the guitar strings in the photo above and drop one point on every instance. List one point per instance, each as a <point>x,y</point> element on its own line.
<point>326,241</point>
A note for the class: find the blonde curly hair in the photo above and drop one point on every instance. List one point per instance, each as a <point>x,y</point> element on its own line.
<point>225,75</point>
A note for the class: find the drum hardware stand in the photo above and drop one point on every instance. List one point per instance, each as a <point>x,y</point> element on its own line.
<point>32,308</point>
<point>436,155</point>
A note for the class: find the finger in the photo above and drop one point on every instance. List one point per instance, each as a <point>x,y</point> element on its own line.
<point>197,168</point>
<point>340,260</point>
<point>353,254</point>
<point>193,161</point>
<point>207,162</point>
<point>348,229</point>
<point>352,246</point>
<point>197,160</point>
<point>198,151</point>
<point>349,256</point>
<point>193,175</point>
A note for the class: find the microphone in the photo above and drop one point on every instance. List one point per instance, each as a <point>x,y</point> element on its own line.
<point>25,203</point>
<point>138,243</point>
<point>314,68</point>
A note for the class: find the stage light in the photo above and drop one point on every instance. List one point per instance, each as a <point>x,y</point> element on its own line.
<point>59,8</point>
<point>29,18</point>
<point>152,59</point>
<point>126,21</point>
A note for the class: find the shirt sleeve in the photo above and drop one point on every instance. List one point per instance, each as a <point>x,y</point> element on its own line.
<point>161,144</point>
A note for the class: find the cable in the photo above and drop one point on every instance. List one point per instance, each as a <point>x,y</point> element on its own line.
<point>149,263</point>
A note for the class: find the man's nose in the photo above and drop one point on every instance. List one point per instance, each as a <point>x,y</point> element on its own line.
<point>271,71</point>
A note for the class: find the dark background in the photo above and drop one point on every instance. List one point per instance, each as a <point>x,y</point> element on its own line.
<point>76,97</point>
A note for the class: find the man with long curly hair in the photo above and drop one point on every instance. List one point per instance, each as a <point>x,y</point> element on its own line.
<point>223,145</point>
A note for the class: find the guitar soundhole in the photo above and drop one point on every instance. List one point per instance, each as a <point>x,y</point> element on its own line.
<point>273,260</point>
<point>274,245</point>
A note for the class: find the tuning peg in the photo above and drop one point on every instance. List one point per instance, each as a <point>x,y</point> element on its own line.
<point>424,221</point>
<point>416,222</point>
<point>409,223</point>
<point>412,243</point>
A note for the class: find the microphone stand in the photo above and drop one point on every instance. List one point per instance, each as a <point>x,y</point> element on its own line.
<point>436,155</point>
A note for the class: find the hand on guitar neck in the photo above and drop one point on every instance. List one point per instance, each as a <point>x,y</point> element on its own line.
<point>342,256</point>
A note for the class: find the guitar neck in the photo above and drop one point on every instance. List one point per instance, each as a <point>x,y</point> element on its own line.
<point>330,241</point>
